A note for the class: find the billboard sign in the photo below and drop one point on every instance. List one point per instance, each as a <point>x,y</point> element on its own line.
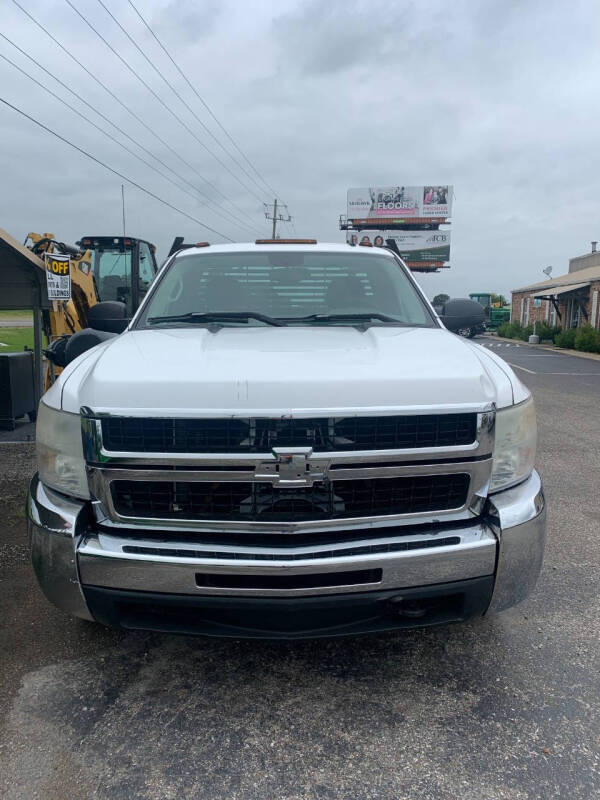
<point>412,246</point>
<point>422,245</point>
<point>400,203</point>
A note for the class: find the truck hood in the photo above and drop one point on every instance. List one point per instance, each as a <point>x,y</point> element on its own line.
<point>258,370</point>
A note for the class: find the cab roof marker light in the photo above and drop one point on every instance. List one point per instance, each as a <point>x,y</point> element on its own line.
<point>285,241</point>
<point>202,244</point>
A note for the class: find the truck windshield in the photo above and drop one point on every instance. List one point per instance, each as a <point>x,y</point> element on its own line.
<point>291,288</point>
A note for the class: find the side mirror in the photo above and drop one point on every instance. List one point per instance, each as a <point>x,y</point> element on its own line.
<point>461,315</point>
<point>84,340</point>
<point>109,316</point>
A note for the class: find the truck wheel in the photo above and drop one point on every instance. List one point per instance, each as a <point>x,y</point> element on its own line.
<point>466,332</point>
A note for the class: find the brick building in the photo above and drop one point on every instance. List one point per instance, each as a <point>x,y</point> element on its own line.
<point>567,301</point>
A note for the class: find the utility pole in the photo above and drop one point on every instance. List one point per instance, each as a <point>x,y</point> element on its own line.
<point>277,216</point>
<point>274,219</point>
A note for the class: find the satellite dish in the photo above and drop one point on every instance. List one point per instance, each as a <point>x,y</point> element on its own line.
<point>547,271</point>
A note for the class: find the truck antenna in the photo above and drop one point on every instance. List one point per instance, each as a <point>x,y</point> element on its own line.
<point>123,206</point>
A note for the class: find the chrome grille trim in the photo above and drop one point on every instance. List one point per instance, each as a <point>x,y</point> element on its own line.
<point>116,543</point>
<point>258,434</point>
<point>100,480</point>
<point>474,459</point>
<point>96,453</point>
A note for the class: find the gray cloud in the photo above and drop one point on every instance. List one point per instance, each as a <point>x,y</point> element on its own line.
<point>497,98</point>
<point>186,21</point>
<point>342,34</point>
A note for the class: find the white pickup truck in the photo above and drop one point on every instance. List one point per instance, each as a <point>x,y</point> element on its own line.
<point>286,442</point>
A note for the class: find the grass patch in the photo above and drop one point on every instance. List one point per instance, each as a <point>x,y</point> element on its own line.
<point>16,339</point>
<point>24,314</point>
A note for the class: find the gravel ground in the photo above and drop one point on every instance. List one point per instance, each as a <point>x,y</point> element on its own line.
<point>505,707</point>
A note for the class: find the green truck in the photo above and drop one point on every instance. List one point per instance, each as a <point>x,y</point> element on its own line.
<point>496,311</point>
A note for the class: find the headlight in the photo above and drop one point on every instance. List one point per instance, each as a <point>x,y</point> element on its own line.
<point>514,448</point>
<point>59,448</point>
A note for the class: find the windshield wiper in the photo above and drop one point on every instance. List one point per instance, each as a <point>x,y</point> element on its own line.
<point>348,317</point>
<point>217,316</point>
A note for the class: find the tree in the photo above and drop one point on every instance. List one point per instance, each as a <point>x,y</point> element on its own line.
<point>440,299</point>
<point>499,299</point>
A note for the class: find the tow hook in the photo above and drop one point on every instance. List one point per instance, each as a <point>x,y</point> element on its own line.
<point>405,607</point>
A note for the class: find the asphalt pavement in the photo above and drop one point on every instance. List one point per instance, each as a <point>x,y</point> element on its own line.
<point>552,368</point>
<point>505,707</point>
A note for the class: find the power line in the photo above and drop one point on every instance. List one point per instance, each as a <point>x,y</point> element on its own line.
<point>114,171</point>
<point>165,106</point>
<point>201,99</point>
<point>81,115</point>
<point>66,50</point>
<point>183,101</point>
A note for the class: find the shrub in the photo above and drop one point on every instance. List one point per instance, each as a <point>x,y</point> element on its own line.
<point>588,339</point>
<point>545,331</point>
<point>525,333</point>
<point>514,330</point>
<point>511,330</point>
<point>566,338</point>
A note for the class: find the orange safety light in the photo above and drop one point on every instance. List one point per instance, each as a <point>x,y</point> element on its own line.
<point>285,241</point>
<point>202,244</point>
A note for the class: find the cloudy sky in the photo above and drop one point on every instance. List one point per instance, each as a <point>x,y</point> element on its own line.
<point>497,97</point>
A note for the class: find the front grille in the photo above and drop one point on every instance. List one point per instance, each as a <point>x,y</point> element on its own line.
<point>262,502</point>
<point>260,435</point>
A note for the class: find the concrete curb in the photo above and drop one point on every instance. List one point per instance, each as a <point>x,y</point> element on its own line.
<point>552,347</point>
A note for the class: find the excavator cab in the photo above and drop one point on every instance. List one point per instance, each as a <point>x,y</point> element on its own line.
<point>123,268</point>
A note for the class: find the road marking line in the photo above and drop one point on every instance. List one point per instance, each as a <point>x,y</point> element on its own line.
<point>580,374</point>
<point>518,366</point>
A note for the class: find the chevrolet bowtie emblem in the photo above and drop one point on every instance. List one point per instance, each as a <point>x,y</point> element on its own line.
<point>291,467</point>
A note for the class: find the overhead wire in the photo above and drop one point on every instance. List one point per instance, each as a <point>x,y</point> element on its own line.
<point>165,106</point>
<point>201,99</point>
<point>114,171</point>
<point>182,99</point>
<point>106,133</point>
<point>66,50</point>
<point>114,139</point>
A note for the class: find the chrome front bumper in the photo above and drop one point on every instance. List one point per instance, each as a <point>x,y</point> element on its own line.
<point>69,554</point>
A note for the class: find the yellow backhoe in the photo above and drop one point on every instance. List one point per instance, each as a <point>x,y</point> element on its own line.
<point>109,277</point>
